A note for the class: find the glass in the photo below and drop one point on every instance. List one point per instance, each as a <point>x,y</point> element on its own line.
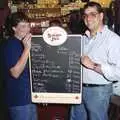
<point>91,15</point>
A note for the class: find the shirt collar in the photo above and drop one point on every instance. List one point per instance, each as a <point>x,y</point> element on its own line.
<point>87,33</point>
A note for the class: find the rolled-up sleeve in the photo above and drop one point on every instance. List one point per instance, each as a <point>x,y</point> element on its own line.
<point>111,69</point>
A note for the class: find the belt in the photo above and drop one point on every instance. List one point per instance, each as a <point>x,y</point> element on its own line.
<point>93,85</point>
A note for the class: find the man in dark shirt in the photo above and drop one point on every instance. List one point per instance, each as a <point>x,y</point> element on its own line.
<point>14,59</point>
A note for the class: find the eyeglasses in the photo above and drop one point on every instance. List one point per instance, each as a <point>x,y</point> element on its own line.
<point>91,15</point>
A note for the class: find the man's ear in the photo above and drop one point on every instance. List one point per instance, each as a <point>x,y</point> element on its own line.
<point>102,15</point>
<point>14,29</point>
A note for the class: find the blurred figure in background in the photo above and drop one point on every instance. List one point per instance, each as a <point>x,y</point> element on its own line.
<point>55,22</point>
<point>76,23</point>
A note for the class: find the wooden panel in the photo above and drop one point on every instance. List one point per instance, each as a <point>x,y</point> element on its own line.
<point>114,110</point>
<point>53,112</point>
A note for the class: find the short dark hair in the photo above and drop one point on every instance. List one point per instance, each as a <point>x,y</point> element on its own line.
<point>12,21</point>
<point>55,22</point>
<point>94,4</point>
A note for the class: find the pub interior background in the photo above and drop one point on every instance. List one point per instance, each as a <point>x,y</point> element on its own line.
<point>68,12</point>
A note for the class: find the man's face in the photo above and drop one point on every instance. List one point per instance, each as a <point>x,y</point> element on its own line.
<point>22,29</point>
<point>92,18</point>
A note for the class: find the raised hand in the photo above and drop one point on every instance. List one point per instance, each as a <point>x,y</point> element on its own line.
<point>27,41</point>
<point>87,62</point>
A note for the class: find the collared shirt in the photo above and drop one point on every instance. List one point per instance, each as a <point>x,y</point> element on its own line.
<point>104,49</point>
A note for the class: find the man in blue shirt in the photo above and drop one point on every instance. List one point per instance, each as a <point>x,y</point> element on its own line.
<point>14,60</point>
<point>101,66</point>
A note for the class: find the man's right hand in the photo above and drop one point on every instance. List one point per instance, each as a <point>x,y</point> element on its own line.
<point>27,41</point>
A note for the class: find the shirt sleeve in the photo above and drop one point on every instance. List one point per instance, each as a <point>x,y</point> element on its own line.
<point>12,53</point>
<point>111,69</point>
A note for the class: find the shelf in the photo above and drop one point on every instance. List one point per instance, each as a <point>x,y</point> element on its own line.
<point>41,13</point>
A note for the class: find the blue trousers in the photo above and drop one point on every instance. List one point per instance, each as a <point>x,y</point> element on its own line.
<point>26,112</point>
<point>94,105</point>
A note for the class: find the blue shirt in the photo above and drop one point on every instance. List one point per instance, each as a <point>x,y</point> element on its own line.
<point>104,49</point>
<point>17,91</point>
